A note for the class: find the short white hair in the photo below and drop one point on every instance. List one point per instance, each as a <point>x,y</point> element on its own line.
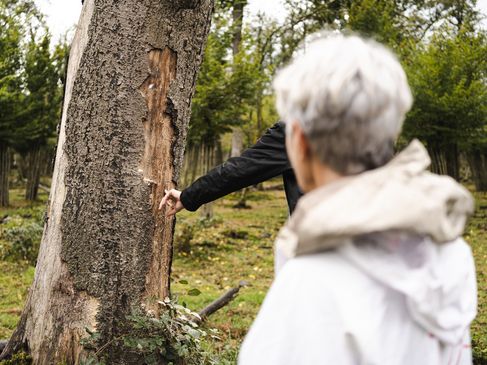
<point>350,96</point>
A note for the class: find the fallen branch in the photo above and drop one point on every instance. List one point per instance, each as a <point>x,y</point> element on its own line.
<point>221,302</point>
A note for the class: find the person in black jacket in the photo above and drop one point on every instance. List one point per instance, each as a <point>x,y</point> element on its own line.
<point>264,160</point>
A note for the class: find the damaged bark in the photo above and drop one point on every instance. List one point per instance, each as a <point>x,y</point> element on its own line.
<point>105,248</point>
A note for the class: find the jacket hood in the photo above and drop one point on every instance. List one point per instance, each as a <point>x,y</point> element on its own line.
<point>400,196</point>
<point>399,224</point>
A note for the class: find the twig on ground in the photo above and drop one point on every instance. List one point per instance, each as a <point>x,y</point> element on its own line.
<point>221,302</point>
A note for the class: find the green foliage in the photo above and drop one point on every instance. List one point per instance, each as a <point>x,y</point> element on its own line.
<point>224,91</point>
<point>231,88</point>
<point>173,337</point>
<point>43,92</point>
<point>10,63</point>
<point>21,242</point>
<point>20,358</point>
<point>21,233</point>
<point>17,19</point>
<point>30,92</point>
<point>448,81</point>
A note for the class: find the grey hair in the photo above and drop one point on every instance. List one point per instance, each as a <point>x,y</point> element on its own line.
<point>350,96</point>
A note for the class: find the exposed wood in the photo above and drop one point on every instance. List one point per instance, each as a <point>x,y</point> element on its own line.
<point>159,135</point>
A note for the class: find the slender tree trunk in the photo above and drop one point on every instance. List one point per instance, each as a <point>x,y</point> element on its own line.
<point>452,161</point>
<point>260,117</point>
<point>477,160</point>
<point>194,163</point>
<point>106,248</point>
<point>4,172</point>
<point>33,161</point>
<point>438,162</point>
<point>206,211</point>
<point>237,23</point>
<point>218,153</point>
<point>237,18</point>
<point>445,160</point>
<point>237,142</point>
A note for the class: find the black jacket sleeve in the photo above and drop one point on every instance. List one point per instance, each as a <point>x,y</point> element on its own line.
<point>264,160</point>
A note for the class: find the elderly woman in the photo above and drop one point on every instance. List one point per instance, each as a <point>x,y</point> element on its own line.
<point>370,269</point>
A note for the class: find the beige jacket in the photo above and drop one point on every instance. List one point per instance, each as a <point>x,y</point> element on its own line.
<point>400,196</point>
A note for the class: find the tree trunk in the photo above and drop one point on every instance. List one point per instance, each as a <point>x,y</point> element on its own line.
<point>4,172</point>
<point>445,160</point>
<point>477,160</point>
<point>131,74</point>
<point>237,18</point>
<point>452,161</point>
<point>33,172</point>
<point>237,142</point>
<point>438,162</point>
<point>206,211</point>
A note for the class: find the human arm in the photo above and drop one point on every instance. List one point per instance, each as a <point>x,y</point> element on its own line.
<point>264,160</point>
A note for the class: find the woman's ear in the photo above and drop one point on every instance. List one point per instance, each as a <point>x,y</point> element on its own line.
<point>302,144</point>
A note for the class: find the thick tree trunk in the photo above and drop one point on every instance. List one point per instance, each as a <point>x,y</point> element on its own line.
<point>477,160</point>
<point>33,161</point>
<point>4,172</point>
<point>106,248</point>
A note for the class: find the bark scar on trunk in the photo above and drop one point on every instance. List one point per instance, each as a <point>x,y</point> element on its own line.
<point>157,166</point>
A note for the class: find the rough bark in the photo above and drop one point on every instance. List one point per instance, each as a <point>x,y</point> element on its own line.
<point>105,248</point>
<point>4,172</point>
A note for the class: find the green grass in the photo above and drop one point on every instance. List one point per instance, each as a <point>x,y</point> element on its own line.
<point>15,278</point>
<point>216,255</point>
<point>476,235</point>
<point>236,246</point>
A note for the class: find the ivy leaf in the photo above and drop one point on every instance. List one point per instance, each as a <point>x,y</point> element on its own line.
<point>194,292</point>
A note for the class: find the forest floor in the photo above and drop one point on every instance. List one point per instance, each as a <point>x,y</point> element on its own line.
<point>213,256</point>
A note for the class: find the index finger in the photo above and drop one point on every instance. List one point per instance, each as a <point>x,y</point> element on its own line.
<point>164,199</point>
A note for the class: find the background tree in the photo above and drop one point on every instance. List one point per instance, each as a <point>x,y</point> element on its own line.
<point>17,19</point>
<point>41,111</point>
<point>449,114</point>
<point>10,90</point>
